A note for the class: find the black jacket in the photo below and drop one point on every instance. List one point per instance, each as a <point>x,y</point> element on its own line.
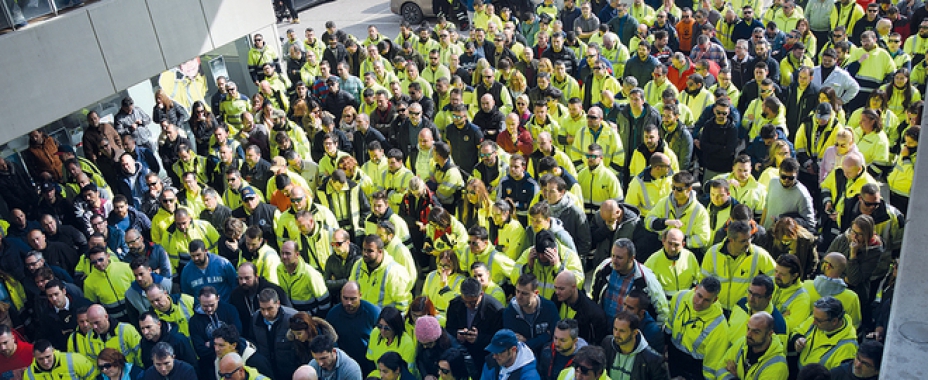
<point>336,103</point>
<point>182,348</point>
<point>58,325</point>
<point>490,123</point>
<point>797,110</point>
<point>592,320</point>
<point>718,144</point>
<point>181,371</point>
<point>649,365</point>
<point>247,302</point>
<point>488,321</point>
<point>262,216</point>
<point>272,342</point>
<point>361,141</point>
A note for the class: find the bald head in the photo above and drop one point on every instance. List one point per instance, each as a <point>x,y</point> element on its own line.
<point>595,111</point>
<point>96,311</point>
<point>230,363</point>
<point>659,158</point>
<point>838,263</point>
<point>297,192</point>
<point>853,164</point>
<point>566,278</point>
<point>289,244</point>
<point>763,318</point>
<point>674,233</point>
<point>305,372</point>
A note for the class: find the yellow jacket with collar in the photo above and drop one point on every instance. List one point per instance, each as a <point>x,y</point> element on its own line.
<point>701,334</point>
<point>694,216</point>
<point>736,273</point>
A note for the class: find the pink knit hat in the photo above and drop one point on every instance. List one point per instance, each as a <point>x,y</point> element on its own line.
<point>427,329</point>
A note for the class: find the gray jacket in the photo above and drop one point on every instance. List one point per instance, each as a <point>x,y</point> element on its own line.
<point>345,368</point>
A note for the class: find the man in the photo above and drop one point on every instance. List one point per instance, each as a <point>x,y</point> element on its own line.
<point>759,299</point>
<point>788,196</point>
<point>330,362</point>
<point>245,297</point>
<point>552,252</point>
<point>651,184</point>
<point>489,118</point>
<point>254,211</point>
<point>875,64</point>
<point>232,366</point>
<point>628,353</point>
<point>698,351</point>
<point>165,367</point>
<point>620,274</point>
<point>760,354</point>
<point>489,85</point>
<point>175,310</point>
<point>518,186</point>
<point>155,331</point>
<point>544,315</point>
<point>734,262</point>
<point>108,333</point>
<point>472,319</point>
<point>564,207</point>
<point>382,280</point>
<point>843,185</point>
<point>831,74</point>
<point>180,234</point>
<point>50,363</point>
<point>108,283</point>
<point>55,231</point>
<point>145,278</point>
<point>590,319</point>
<point>270,327</point>
<point>651,144</point>
<point>207,269</point>
<point>16,354</point>
<point>354,319</point>
<point>597,181</point>
<point>209,316</point>
<point>479,249</point>
<point>865,366</point>
<point>226,341</point>
<point>464,137</point>
<point>256,251</point>
<point>827,337</point>
<point>559,353</point>
<point>642,64</point>
<point>56,312</point>
<point>675,267</point>
<point>831,283</point>
<point>509,356</point>
<point>790,297</point>
<point>336,100</point>
<point>303,283</point>
<point>681,209</point>
<point>743,187</point>
<point>57,254</point>
<point>132,120</point>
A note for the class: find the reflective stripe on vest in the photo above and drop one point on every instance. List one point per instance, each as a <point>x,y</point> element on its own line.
<point>792,298</point>
<point>644,193</point>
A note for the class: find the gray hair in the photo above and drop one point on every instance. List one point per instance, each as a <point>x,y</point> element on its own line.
<point>626,244</point>
<point>831,306</point>
<point>162,350</point>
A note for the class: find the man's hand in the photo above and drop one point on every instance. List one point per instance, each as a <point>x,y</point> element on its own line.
<point>800,344</point>
<point>552,256</point>
<point>732,368</point>
<point>521,337</point>
<point>675,223</point>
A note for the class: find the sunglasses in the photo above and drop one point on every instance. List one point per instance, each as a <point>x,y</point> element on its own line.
<point>591,156</point>
<point>444,371</point>
<point>486,155</point>
<point>384,327</point>
<point>583,369</point>
<point>871,204</point>
<point>678,188</point>
<point>105,366</point>
<point>154,183</point>
<point>338,243</point>
<point>787,177</point>
<point>168,200</point>
<point>230,374</point>
<point>415,113</point>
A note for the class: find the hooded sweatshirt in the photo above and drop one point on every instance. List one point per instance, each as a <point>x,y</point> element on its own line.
<point>345,368</point>
<point>523,368</point>
<point>623,364</point>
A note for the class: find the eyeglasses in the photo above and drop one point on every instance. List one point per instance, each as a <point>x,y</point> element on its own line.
<point>598,68</point>
<point>592,117</point>
<point>400,110</point>
<point>721,113</point>
<point>591,56</point>
<point>385,327</point>
<point>473,243</point>
<point>98,261</point>
<point>488,76</point>
<point>168,200</point>
<point>230,374</point>
<point>894,41</point>
<point>296,200</point>
<point>583,369</point>
<point>457,117</point>
<point>338,243</point>
<point>105,366</point>
<point>786,177</point>
<point>486,155</point>
<point>415,113</point>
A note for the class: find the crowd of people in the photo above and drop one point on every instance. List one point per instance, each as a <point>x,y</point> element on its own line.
<point>643,190</point>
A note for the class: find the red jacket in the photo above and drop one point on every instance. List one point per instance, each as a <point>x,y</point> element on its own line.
<point>677,77</point>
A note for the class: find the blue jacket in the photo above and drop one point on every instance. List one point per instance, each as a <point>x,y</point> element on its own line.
<point>541,331</point>
<point>652,332</point>
<point>759,151</point>
<point>525,366</point>
<point>354,331</point>
<point>522,191</point>
<point>219,273</point>
<point>181,370</point>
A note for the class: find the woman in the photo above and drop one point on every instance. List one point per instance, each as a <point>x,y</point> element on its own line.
<point>202,123</point>
<point>230,246</point>
<point>873,143</point>
<point>452,365</point>
<point>312,121</point>
<point>790,237</point>
<point>348,122</point>
<point>443,284</point>
<point>350,165</point>
<point>167,110</point>
<point>506,232</point>
<point>867,256</point>
<point>901,93</point>
<point>257,103</point>
<point>393,367</point>
<point>113,366</point>
<point>828,95</point>
<point>900,179</point>
<point>779,151</point>
<point>391,336</point>
<point>475,210</point>
<point>545,66</point>
<point>303,328</point>
<point>477,77</point>
<point>515,138</point>
<point>433,342</point>
<point>807,38</point>
<point>913,116</point>
<point>522,109</point>
<point>876,102</point>
<point>443,232</point>
<point>517,84</point>
<point>418,308</point>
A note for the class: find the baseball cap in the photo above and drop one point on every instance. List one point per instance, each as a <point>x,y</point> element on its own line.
<point>332,79</point>
<point>47,186</point>
<point>248,192</point>
<point>503,340</point>
<point>823,111</point>
<point>544,240</point>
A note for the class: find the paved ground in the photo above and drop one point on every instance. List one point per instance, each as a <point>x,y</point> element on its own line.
<point>352,16</point>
